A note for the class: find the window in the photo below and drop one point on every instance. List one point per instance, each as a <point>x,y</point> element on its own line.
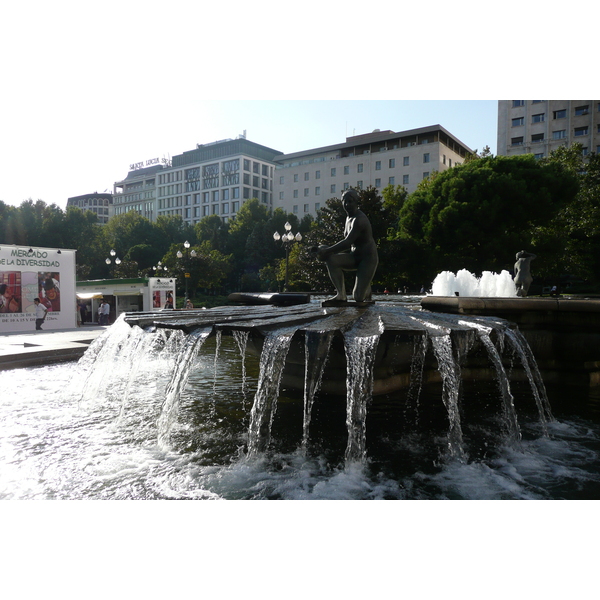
<point>425,174</point>
<point>559,135</point>
<point>332,188</point>
<point>236,192</point>
<point>518,121</point>
<point>281,195</point>
<point>359,184</point>
<point>226,194</point>
<point>306,208</point>
<point>517,103</point>
<point>516,141</point>
<point>225,208</point>
<point>256,168</point>
<point>306,176</point>
<point>378,183</point>
<point>281,180</point>
<point>582,110</point>
<point>378,165</point>
<point>406,161</point>
<point>359,168</point>
<point>296,178</point>
<point>333,172</point>
<point>539,118</point>
<point>246,165</point>
<point>317,191</point>
<point>235,206</point>
<point>306,192</point>
<point>205,197</point>
<point>215,197</point>
<point>579,131</point>
<point>295,193</point>
<point>405,179</point>
<point>537,138</point>
<point>317,205</point>
<point>246,179</point>
<point>346,170</point>
<point>346,186</point>
<point>584,151</point>
<point>392,181</point>
<point>317,174</point>
<point>426,157</point>
<point>392,163</point>
<point>265,170</point>
<point>560,114</point>
<point>215,209</point>
<point>295,209</point>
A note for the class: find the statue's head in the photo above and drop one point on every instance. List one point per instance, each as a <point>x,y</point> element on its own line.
<point>350,200</point>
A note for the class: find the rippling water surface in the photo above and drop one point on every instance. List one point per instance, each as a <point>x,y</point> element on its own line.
<point>66,435</point>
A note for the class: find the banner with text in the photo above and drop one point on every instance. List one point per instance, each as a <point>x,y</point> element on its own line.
<point>44,273</point>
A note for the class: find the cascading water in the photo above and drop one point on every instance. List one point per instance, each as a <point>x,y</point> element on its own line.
<point>92,430</point>
<point>272,362</point>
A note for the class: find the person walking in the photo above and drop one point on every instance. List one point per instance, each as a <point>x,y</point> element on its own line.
<point>41,312</point>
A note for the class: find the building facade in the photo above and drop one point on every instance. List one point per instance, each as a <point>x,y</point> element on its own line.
<point>540,126</point>
<point>137,191</point>
<point>216,179</point>
<point>99,204</point>
<point>305,180</point>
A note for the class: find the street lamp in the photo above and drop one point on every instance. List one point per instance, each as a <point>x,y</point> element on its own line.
<point>117,261</point>
<point>186,245</point>
<point>158,268</point>
<point>287,239</point>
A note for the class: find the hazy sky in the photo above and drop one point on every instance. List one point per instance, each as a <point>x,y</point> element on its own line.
<point>89,89</point>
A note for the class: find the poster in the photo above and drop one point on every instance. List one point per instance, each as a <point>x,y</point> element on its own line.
<point>162,292</point>
<point>29,273</point>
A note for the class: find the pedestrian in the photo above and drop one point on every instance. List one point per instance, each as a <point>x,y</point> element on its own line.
<point>106,313</point>
<point>101,313</point>
<point>188,303</point>
<point>41,312</point>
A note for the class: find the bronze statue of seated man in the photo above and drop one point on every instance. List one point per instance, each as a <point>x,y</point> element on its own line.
<point>356,252</point>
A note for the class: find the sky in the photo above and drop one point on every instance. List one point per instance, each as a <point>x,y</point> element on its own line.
<point>90,89</point>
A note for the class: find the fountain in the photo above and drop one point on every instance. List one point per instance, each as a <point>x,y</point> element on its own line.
<point>464,283</point>
<point>359,353</point>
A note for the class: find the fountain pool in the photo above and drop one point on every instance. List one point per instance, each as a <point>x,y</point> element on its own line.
<point>118,425</point>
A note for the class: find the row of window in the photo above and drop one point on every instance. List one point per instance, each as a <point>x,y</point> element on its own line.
<point>560,134</point>
<point>579,110</point>
<point>227,168</point>
<point>360,168</point>
<point>333,188</point>
<point>557,114</point>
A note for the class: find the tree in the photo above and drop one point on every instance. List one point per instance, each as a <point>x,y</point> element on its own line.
<point>571,240</point>
<point>479,214</point>
<point>212,229</point>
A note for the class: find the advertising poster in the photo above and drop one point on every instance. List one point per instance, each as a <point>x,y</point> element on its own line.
<point>44,273</point>
<point>162,292</point>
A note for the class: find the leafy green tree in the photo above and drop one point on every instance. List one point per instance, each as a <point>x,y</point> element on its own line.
<point>479,214</point>
<point>212,229</point>
<point>571,240</point>
<point>208,269</point>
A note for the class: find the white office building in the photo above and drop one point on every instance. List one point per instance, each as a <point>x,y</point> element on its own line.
<point>305,180</point>
<point>216,179</point>
<point>540,126</point>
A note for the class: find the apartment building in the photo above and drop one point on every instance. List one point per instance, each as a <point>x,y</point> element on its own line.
<point>215,179</point>
<point>305,180</point>
<point>99,204</point>
<point>540,126</point>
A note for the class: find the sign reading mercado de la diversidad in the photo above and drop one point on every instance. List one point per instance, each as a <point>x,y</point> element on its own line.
<point>29,273</point>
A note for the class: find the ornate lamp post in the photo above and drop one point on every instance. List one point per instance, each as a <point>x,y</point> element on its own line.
<point>186,245</point>
<point>117,262</point>
<point>287,239</point>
